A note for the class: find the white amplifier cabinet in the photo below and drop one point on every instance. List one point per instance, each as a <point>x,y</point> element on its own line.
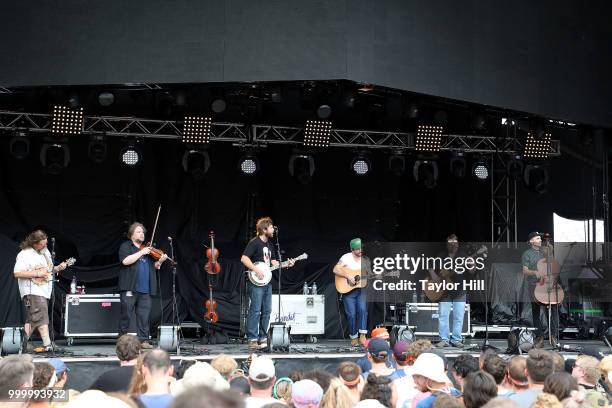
<point>304,313</point>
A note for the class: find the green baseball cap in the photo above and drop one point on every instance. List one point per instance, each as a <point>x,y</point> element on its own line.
<point>355,243</point>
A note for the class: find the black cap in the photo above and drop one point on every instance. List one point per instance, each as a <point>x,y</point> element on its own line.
<point>533,234</point>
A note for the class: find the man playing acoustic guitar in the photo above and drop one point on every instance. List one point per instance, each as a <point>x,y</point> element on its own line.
<point>349,266</point>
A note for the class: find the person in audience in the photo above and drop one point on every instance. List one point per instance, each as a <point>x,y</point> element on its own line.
<point>463,365</point>
<point>97,398</point>
<point>306,394</point>
<point>240,384</point>
<point>402,376</point>
<point>379,388</point>
<point>204,397</point>
<point>157,369</point>
<point>446,401</point>
<point>118,379</point>
<point>378,353</point>
<point>262,376</point>
<point>545,400</point>
<point>282,389</point>
<point>296,376</point>
<point>321,377</point>
<point>44,377</point>
<point>497,366</point>
<point>61,372</point>
<point>200,373</point>
<point>224,364</point>
<point>558,361</point>
<point>560,384</point>
<point>16,373</point>
<point>364,362</point>
<point>350,375</point>
<point>479,387</point>
<point>369,403</point>
<point>501,402</point>
<point>605,367</point>
<point>516,374</point>
<point>337,395</point>
<point>577,399</point>
<point>429,375</point>
<point>184,364</point>
<point>587,375</point>
<point>539,366</point>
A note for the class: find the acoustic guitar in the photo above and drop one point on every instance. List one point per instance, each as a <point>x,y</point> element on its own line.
<point>361,280</point>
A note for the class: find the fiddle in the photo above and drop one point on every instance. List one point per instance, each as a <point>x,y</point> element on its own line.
<point>156,253</point>
<point>212,265</point>
<point>212,268</point>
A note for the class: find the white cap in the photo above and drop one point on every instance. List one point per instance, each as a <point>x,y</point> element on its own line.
<point>262,369</point>
<point>430,366</point>
<point>200,373</point>
<point>369,403</point>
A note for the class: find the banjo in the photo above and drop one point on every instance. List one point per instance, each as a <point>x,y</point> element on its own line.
<point>267,271</point>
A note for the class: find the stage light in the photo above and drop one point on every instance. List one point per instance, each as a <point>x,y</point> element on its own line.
<point>458,165</point>
<point>218,105</point>
<point>97,149</point>
<point>196,163</point>
<point>514,168</point>
<point>301,167</point>
<point>106,98</point>
<point>249,164</point>
<point>425,172</point>
<point>317,133</point>
<point>428,138</point>
<point>397,163</point>
<point>54,157</point>
<point>361,165</point>
<point>536,178</point>
<point>131,155</point>
<point>324,111</point>
<point>480,170</point>
<point>19,145</point>
<point>66,121</point>
<point>197,129</point>
<point>537,145</point>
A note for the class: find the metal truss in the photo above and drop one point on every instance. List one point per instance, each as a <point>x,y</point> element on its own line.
<point>503,204</point>
<point>261,135</point>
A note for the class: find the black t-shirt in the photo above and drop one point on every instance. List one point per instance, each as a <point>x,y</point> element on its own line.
<point>128,274</point>
<point>460,294</point>
<point>115,380</point>
<point>259,251</point>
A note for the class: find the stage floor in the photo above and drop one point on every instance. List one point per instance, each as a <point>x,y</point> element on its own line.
<point>88,358</point>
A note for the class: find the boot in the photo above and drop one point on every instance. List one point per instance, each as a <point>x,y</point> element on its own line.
<point>354,342</point>
<point>362,339</point>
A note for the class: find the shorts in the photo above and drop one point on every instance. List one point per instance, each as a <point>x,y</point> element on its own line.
<point>37,313</point>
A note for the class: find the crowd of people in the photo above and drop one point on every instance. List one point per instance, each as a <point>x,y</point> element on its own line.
<point>400,375</point>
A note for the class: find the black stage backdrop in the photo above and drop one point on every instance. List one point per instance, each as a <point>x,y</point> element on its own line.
<point>90,206</point>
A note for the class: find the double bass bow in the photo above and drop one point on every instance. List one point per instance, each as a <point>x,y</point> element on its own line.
<point>212,268</point>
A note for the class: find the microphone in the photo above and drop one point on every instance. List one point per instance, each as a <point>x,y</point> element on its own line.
<point>170,239</point>
<point>53,240</point>
<point>275,228</point>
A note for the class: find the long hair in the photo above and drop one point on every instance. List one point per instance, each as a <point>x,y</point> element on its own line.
<point>133,227</point>
<point>378,388</point>
<point>138,385</point>
<point>262,224</point>
<point>33,237</point>
<point>336,396</point>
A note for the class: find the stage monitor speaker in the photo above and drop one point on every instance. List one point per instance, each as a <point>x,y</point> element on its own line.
<point>168,338</point>
<point>12,340</point>
<point>278,337</point>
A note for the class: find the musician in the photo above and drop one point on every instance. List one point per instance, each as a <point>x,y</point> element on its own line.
<point>453,299</point>
<point>137,283</point>
<point>34,261</point>
<point>260,249</point>
<point>529,260</point>
<point>354,302</point>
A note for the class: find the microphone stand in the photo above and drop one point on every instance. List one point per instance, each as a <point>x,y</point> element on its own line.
<point>51,327</point>
<point>175,316</point>
<point>278,322</point>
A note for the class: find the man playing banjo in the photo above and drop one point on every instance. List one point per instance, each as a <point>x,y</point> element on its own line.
<point>260,249</point>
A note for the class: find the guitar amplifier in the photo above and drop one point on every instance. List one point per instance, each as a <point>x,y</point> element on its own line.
<point>93,316</point>
<point>423,319</point>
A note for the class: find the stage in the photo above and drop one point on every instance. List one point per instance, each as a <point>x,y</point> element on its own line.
<point>88,358</point>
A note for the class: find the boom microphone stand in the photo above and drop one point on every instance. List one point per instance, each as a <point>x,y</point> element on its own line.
<point>278,333</point>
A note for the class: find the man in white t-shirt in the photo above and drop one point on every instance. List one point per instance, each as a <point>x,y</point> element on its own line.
<point>350,267</point>
<point>34,261</point>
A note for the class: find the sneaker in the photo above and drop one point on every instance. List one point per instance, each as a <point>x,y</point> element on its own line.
<point>146,345</point>
<point>263,344</point>
<point>442,344</point>
<point>362,339</point>
<point>253,345</point>
<point>457,344</point>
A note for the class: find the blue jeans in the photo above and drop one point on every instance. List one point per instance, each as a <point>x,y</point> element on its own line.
<point>259,311</point>
<point>444,309</point>
<point>356,312</point>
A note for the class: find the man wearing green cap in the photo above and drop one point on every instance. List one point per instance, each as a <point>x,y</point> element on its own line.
<point>354,302</point>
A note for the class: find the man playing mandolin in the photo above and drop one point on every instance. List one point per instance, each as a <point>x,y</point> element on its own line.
<point>355,307</point>
<point>529,260</point>
<point>260,249</point>
<point>137,282</point>
<point>34,261</point>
